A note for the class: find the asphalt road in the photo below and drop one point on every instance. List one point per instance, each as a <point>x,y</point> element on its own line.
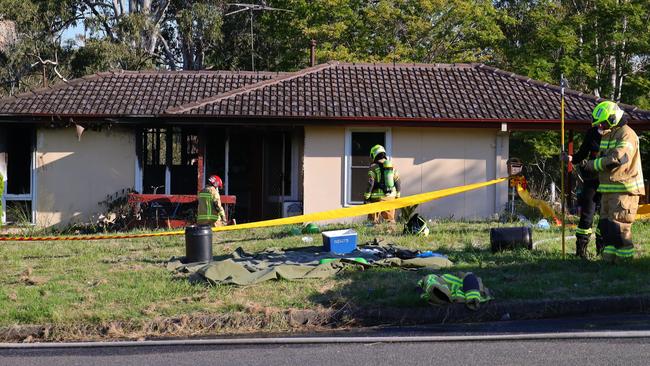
<point>588,351</point>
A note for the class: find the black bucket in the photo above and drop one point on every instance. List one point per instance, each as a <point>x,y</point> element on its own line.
<point>505,238</point>
<point>198,244</point>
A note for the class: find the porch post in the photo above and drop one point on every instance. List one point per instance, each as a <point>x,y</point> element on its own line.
<point>200,161</point>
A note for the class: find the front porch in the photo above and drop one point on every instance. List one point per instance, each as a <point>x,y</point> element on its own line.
<point>260,166</point>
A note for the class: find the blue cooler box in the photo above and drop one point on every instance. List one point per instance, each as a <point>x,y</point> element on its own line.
<point>340,241</point>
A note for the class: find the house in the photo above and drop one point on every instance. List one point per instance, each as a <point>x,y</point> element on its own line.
<point>276,138</point>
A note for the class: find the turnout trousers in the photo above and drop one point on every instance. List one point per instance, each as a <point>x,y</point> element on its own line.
<point>617,213</point>
<point>588,199</point>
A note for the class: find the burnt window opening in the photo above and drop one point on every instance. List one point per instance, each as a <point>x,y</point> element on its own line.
<point>169,160</point>
<point>184,161</point>
<point>278,154</point>
<point>19,160</point>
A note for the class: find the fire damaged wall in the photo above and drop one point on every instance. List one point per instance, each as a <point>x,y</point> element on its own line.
<point>74,176</point>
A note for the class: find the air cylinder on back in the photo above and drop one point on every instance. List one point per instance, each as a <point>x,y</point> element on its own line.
<point>508,238</point>
<point>198,243</point>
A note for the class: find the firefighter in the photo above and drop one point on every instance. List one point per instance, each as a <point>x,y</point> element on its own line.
<point>621,180</point>
<point>589,198</point>
<point>383,183</point>
<point>210,211</point>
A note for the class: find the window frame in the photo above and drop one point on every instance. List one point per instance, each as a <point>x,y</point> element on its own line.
<point>27,197</point>
<point>347,169</point>
<point>295,159</point>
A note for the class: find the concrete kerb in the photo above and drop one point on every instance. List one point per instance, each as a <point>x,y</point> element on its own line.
<point>360,317</point>
<point>506,310</point>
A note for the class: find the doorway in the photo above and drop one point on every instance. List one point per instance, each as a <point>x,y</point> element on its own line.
<point>260,166</point>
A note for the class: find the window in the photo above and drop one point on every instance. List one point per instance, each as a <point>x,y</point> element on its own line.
<point>169,160</point>
<point>17,146</point>
<point>357,159</point>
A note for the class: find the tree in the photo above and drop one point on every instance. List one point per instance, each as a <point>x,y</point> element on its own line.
<point>361,30</point>
<point>597,44</point>
<point>37,54</point>
<point>175,33</point>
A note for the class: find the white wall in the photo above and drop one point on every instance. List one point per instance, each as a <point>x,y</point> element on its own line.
<point>323,168</point>
<point>427,158</point>
<point>74,176</point>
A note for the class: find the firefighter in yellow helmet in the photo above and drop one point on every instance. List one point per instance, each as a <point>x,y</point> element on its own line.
<point>383,183</point>
<point>210,212</point>
<point>621,180</point>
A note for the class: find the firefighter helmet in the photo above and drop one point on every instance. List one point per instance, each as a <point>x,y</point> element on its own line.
<point>607,112</point>
<point>376,150</point>
<point>216,181</point>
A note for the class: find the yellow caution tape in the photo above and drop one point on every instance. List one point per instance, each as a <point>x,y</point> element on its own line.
<point>541,205</point>
<point>318,216</point>
<point>643,212</point>
<point>369,208</point>
<point>91,237</point>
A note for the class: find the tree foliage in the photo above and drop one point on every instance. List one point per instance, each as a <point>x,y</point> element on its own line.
<point>601,46</point>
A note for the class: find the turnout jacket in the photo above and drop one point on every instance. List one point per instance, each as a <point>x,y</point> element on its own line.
<point>619,162</point>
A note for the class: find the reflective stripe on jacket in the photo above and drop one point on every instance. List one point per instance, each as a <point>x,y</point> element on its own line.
<point>465,288</point>
<point>209,210</point>
<point>619,162</point>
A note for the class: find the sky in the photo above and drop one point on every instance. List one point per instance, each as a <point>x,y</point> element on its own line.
<point>72,32</point>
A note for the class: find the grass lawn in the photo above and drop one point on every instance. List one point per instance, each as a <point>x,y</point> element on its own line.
<point>98,282</point>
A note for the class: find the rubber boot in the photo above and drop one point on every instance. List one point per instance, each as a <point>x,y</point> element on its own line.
<point>581,246</point>
<point>599,245</point>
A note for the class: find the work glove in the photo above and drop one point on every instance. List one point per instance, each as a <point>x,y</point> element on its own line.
<point>366,197</point>
<point>587,166</point>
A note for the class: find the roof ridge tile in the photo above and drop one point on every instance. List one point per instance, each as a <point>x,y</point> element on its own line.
<point>249,88</point>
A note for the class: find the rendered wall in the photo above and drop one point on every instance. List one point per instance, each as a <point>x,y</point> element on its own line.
<point>427,158</point>
<point>74,176</point>
<point>323,168</point>
<point>430,159</point>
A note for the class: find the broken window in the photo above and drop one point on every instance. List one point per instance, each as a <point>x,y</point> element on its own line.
<point>184,161</point>
<point>278,166</point>
<point>169,160</point>
<point>19,161</point>
<point>17,148</point>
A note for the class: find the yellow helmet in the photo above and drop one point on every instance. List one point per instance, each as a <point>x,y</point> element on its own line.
<point>376,150</point>
<point>607,112</point>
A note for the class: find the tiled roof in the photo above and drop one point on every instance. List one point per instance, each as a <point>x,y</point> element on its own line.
<point>409,92</point>
<point>416,91</point>
<point>128,93</point>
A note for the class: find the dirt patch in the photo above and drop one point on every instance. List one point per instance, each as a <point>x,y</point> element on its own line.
<point>253,319</point>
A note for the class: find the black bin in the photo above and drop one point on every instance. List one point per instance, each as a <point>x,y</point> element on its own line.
<point>505,238</point>
<point>198,244</point>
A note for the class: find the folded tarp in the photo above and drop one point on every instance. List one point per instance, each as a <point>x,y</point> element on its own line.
<point>241,268</point>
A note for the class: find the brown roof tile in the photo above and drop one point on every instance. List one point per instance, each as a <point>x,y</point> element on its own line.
<point>128,93</point>
<point>416,91</point>
<point>413,91</point>
<point>469,92</point>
